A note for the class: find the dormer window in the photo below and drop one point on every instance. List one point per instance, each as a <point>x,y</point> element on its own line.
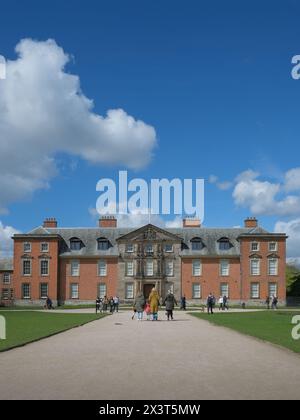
<point>75,244</point>
<point>224,244</point>
<point>129,247</point>
<point>103,244</point>
<point>197,244</point>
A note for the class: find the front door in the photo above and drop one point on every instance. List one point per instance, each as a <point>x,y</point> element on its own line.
<point>147,290</point>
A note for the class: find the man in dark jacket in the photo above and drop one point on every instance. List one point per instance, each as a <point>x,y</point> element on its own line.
<point>170,303</point>
<point>210,303</point>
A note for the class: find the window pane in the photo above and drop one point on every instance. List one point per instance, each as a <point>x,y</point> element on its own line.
<point>6,278</point>
<point>129,247</point>
<point>26,267</point>
<point>224,289</point>
<point>255,267</point>
<point>129,268</point>
<point>27,247</point>
<point>26,291</point>
<point>129,291</point>
<point>168,248</point>
<point>272,289</point>
<point>102,270</point>
<point>169,268</point>
<point>102,290</point>
<point>149,248</point>
<point>44,267</point>
<point>103,245</point>
<point>224,245</point>
<point>197,245</point>
<point>149,268</point>
<point>254,290</point>
<point>196,268</point>
<point>196,291</point>
<point>74,291</point>
<point>273,264</point>
<point>75,268</point>
<point>273,246</point>
<point>224,271</point>
<point>254,246</point>
<point>44,290</point>
<point>45,247</point>
<point>5,294</point>
<point>75,245</point>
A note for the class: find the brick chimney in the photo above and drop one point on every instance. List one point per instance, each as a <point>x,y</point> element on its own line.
<point>50,222</point>
<point>191,222</point>
<point>251,222</point>
<point>108,222</point>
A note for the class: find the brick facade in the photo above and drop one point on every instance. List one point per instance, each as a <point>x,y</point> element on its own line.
<point>76,265</point>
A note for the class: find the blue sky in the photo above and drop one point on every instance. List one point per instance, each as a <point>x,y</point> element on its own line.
<point>213,79</point>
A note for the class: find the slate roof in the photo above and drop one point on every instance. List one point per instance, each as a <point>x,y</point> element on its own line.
<point>6,264</point>
<point>209,236</point>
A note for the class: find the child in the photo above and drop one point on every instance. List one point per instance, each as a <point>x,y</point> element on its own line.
<point>148,311</point>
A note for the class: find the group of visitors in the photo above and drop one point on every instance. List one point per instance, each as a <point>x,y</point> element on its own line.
<point>223,303</point>
<point>104,304</point>
<point>211,302</point>
<point>150,306</point>
<point>271,302</point>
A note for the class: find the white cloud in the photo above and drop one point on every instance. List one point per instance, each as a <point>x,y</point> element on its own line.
<point>292,229</point>
<point>6,243</point>
<point>43,111</point>
<point>222,185</point>
<point>262,197</point>
<point>292,180</point>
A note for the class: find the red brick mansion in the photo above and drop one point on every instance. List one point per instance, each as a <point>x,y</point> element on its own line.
<point>75,265</point>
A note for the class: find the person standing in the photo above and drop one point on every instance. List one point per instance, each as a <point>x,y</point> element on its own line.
<point>116,303</point>
<point>183,303</point>
<point>154,302</point>
<point>210,303</point>
<point>105,304</point>
<point>139,305</point>
<point>225,303</point>
<point>111,305</point>
<point>170,303</point>
<point>98,304</point>
<point>268,302</point>
<point>220,302</point>
<point>274,302</point>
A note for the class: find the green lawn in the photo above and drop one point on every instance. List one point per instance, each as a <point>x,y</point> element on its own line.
<point>25,327</point>
<point>272,326</point>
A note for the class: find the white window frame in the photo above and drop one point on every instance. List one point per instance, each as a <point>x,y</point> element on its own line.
<point>169,267</point>
<point>41,295</point>
<point>5,294</point>
<point>270,260</point>
<point>74,294</point>
<point>29,247</point>
<point>273,243</point>
<point>129,290</point>
<point>46,245</point>
<point>30,267</point>
<point>29,291</point>
<point>149,268</point>
<point>254,243</point>
<point>102,268</point>
<point>75,272</point>
<point>129,248</point>
<point>272,293</point>
<point>102,293</point>
<point>129,268</point>
<point>226,286</point>
<point>197,271</point>
<point>255,295</point>
<point>168,250</point>
<point>227,271</point>
<point>252,271</point>
<point>196,294</point>
<point>41,271</point>
<point>6,280</point>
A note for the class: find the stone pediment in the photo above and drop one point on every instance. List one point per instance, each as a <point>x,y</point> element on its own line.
<point>149,233</point>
